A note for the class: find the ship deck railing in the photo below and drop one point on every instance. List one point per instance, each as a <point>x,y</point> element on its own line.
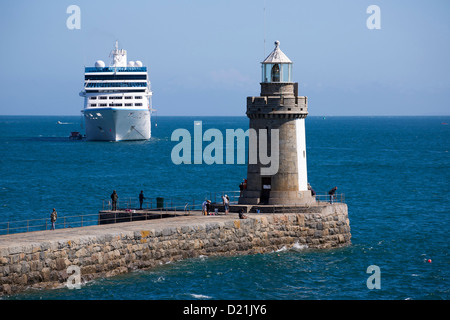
<point>115,69</point>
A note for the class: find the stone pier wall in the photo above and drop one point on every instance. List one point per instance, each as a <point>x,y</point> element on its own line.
<point>142,245</point>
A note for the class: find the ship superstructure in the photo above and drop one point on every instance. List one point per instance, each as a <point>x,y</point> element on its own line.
<point>117,99</point>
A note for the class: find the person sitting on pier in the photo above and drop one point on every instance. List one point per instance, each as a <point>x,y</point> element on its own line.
<point>241,214</point>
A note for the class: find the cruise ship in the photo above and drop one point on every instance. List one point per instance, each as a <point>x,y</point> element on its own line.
<point>117,99</point>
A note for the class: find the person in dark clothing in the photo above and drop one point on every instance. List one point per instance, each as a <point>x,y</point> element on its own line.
<point>208,206</point>
<point>53,217</point>
<point>241,214</point>
<point>313,193</point>
<point>332,194</point>
<point>114,198</point>
<point>141,199</point>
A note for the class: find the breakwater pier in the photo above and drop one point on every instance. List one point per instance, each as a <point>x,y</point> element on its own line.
<point>47,259</point>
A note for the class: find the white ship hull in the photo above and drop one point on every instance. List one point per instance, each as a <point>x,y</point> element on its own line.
<point>117,124</point>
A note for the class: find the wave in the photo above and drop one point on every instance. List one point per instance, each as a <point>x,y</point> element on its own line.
<point>295,247</point>
<point>299,247</point>
<point>200,296</point>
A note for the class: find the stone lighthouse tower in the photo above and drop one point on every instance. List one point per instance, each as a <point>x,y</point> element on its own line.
<point>277,113</point>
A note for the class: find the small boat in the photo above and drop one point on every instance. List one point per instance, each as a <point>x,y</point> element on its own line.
<point>75,135</point>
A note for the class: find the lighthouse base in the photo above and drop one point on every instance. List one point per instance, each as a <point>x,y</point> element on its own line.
<point>268,197</point>
<point>291,198</point>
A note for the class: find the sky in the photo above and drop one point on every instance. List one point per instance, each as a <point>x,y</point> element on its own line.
<point>204,56</point>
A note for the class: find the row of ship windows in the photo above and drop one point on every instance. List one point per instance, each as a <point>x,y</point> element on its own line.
<point>116,84</point>
<point>116,77</point>
<point>115,105</point>
<point>115,97</point>
<point>133,90</point>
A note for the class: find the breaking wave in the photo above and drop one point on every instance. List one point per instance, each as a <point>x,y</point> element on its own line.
<point>295,247</point>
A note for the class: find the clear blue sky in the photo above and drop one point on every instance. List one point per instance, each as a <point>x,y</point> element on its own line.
<point>204,56</point>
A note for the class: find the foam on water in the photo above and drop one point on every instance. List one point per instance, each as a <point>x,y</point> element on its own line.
<point>299,247</point>
<point>200,296</point>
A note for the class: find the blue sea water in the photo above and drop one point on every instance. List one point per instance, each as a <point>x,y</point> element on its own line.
<point>394,172</point>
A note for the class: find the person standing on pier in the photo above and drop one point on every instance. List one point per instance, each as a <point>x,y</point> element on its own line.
<point>331,193</point>
<point>313,193</point>
<point>53,217</point>
<point>226,203</point>
<point>114,198</point>
<point>141,199</point>
<point>205,207</point>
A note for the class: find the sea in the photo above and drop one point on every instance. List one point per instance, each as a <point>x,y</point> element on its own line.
<point>394,172</point>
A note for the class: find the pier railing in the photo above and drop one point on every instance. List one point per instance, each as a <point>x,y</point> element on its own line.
<point>336,198</point>
<point>84,220</point>
<point>216,197</point>
<point>159,209</point>
<point>124,203</point>
<point>128,205</point>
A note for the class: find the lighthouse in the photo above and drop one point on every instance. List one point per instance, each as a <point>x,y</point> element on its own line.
<point>277,118</point>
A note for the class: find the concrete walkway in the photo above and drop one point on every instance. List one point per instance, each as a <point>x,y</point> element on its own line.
<point>27,238</point>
